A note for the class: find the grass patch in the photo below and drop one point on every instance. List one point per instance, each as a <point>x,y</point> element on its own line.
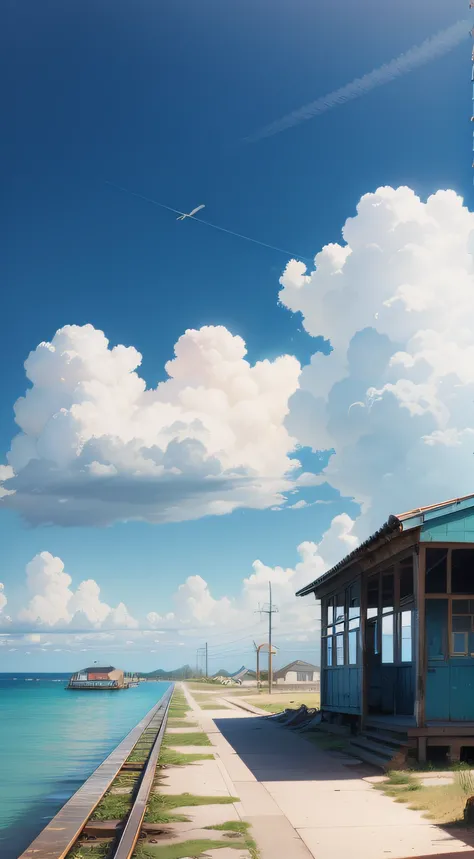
<point>89,851</point>
<point>177,759</point>
<point>113,806</point>
<point>442,803</point>
<point>231,826</point>
<point>243,829</point>
<point>214,707</point>
<point>126,779</point>
<point>204,684</point>
<point>181,723</point>
<point>183,850</point>
<point>277,702</point>
<point>197,738</point>
<point>161,806</point>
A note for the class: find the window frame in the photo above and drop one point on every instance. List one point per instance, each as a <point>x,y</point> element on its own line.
<point>453,597</point>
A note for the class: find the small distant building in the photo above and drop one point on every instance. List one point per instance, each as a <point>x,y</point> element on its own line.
<point>244,676</point>
<point>297,672</point>
<point>98,677</point>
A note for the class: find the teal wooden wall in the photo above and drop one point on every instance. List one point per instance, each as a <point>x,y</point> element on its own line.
<point>342,689</point>
<point>449,679</point>
<point>456,528</point>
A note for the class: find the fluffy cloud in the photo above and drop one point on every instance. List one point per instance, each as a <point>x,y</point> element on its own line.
<point>394,398</point>
<point>97,446</point>
<point>3,599</point>
<point>54,604</point>
<point>196,608</point>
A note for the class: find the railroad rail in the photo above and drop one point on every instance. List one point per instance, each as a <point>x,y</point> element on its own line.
<point>58,838</point>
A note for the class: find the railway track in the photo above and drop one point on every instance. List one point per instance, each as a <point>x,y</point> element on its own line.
<point>137,753</point>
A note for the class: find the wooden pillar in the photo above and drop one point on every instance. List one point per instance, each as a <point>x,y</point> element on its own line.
<point>419,567</point>
<point>422,750</point>
<point>363,648</point>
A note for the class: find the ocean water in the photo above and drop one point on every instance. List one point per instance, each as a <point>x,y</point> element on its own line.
<point>51,740</point>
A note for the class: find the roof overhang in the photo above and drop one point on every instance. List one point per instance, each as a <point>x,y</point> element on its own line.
<point>391,530</point>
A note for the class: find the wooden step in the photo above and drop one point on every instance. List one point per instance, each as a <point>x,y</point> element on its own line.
<point>394,742</point>
<point>369,757</point>
<point>386,752</point>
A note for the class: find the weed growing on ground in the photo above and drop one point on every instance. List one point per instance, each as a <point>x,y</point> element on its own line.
<point>463,777</point>
<point>214,707</point>
<point>443,804</point>
<point>184,850</point>
<point>113,806</point>
<point>161,806</point>
<point>89,851</point>
<point>170,758</point>
<point>197,738</point>
<point>243,829</point>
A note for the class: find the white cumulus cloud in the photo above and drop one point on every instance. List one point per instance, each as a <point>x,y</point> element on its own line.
<point>97,446</point>
<point>3,599</point>
<point>395,397</point>
<point>53,603</point>
<point>196,607</point>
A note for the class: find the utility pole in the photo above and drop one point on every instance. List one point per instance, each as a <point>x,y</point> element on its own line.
<point>257,650</point>
<point>269,609</point>
<point>270,674</point>
<point>207,662</point>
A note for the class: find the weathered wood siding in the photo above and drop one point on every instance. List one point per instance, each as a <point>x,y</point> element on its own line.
<point>450,679</point>
<point>341,689</point>
<point>456,528</point>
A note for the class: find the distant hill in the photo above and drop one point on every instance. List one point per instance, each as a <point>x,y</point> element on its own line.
<point>183,673</point>
<point>221,673</point>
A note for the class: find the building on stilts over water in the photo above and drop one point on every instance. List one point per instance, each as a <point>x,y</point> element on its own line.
<point>397,637</point>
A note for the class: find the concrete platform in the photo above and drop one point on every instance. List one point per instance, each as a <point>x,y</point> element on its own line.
<point>201,779</point>
<point>305,802</point>
<point>208,815</point>
<point>191,750</point>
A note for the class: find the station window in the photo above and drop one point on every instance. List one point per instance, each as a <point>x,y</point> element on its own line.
<point>406,650</point>
<point>340,614</point>
<point>352,639</point>
<point>339,649</point>
<point>373,597</point>
<point>387,639</point>
<point>329,652</point>
<point>460,644</point>
<point>462,623</point>
<point>462,571</point>
<point>436,571</point>
<point>330,612</point>
<point>406,580</point>
<point>388,586</point>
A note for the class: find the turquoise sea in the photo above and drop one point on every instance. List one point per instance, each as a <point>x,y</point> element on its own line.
<point>51,740</point>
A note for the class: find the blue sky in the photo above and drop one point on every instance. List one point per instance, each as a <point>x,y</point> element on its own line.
<point>158,98</point>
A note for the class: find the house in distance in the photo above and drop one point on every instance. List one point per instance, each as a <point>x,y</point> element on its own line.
<point>397,637</point>
<point>100,677</point>
<point>296,673</point>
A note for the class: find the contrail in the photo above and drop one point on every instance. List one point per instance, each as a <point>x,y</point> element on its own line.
<point>415,57</point>
<point>208,224</point>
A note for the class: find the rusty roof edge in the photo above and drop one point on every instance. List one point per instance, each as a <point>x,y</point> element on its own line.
<point>387,531</point>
